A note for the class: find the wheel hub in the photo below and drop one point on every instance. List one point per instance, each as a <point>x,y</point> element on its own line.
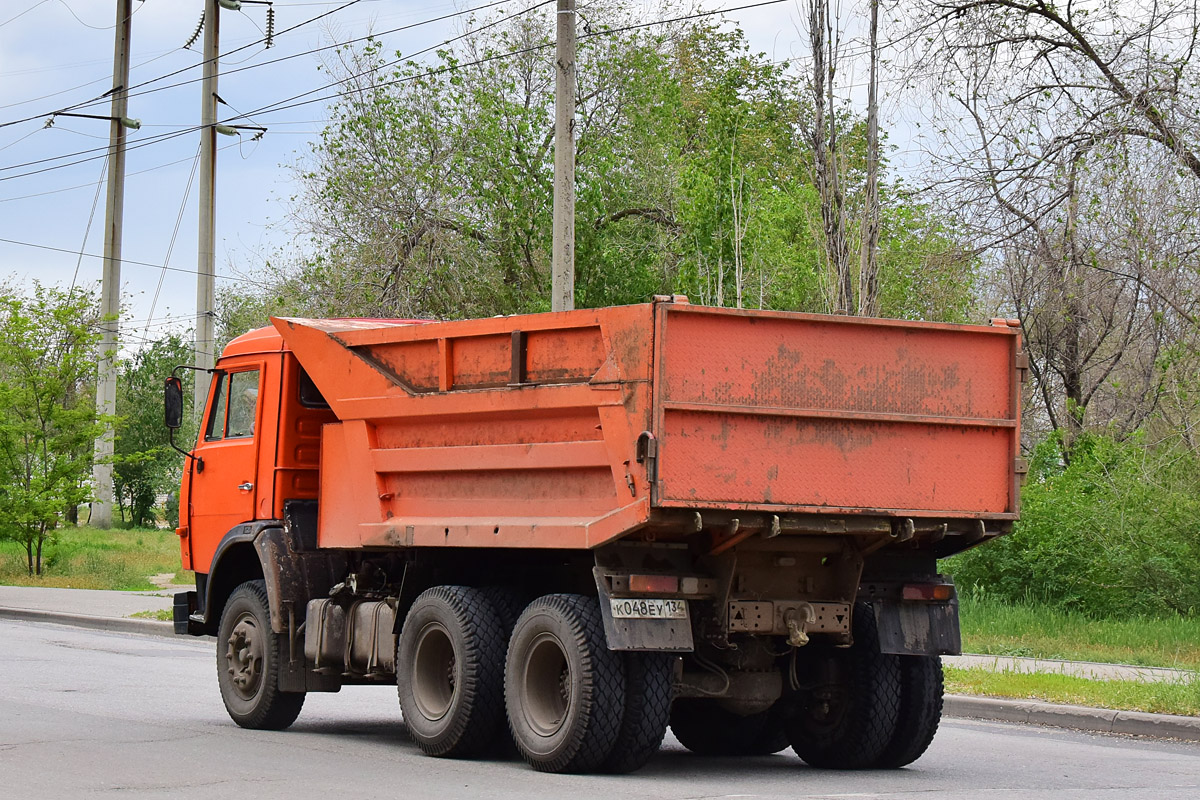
<point>434,672</point>
<point>244,657</point>
<point>548,684</point>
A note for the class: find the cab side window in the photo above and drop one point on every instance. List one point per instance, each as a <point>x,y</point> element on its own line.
<point>243,402</point>
<point>234,411</point>
<point>216,420</point>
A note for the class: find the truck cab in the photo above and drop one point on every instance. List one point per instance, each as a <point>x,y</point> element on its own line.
<point>257,453</point>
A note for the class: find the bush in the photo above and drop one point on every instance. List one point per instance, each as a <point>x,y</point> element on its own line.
<point>1115,532</point>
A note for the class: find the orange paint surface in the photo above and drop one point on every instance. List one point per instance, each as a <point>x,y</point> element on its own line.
<point>522,431</point>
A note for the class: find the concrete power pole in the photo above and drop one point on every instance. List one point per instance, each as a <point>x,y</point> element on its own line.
<point>110,286</point>
<point>562,286</point>
<point>205,356</point>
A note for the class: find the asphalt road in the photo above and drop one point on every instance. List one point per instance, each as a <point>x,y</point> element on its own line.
<point>93,714</point>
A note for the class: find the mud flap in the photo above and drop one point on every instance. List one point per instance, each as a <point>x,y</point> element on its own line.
<point>650,635</point>
<point>918,628</point>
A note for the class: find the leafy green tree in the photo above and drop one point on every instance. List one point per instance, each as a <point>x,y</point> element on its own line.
<point>48,419</point>
<point>145,465</point>
<point>1112,532</point>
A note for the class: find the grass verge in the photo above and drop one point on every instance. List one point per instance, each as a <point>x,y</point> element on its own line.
<point>1001,629</point>
<point>163,615</point>
<point>88,558</point>
<point>1168,697</point>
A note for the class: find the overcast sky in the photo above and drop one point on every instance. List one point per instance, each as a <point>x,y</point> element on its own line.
<point>56,53</point>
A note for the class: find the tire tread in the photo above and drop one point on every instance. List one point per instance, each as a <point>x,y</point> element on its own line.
<point>277,709</point>
<point>648,685</point>
<point>482,688</point>
<point>921,698</point>
<point>869,722</point>
<point>602,696</point>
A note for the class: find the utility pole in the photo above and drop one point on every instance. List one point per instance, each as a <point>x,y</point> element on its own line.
<point>110,285</point>
<point>562,287</point>
<point>204,355</point>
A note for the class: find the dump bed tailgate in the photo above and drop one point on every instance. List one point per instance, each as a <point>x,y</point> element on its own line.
<point>798,412</point>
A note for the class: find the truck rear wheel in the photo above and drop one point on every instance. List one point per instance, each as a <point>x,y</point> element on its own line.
<point>647,710</point>
<point>248,653</point>
<point>704,727</point>
<point>563,688</point>
<point>449,671</point>
<point>921,689</point>
<point>846,717</point>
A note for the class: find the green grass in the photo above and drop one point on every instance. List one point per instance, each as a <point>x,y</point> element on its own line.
<point>87,558</point>
<point>996,628</point>
<point>163,615</point>
<point>1168,697</point>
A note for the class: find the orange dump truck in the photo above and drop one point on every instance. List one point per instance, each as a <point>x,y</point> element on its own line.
<point>577,529</point>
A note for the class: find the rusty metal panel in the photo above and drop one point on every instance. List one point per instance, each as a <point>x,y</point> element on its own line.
<point>505,432</point>
<point>767,616</point>
<point>837,414</point>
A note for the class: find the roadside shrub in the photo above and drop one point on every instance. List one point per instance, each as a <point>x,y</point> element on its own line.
<point>1115,532</point>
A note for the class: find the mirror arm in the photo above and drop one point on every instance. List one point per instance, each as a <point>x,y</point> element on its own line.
<point>171,440</point>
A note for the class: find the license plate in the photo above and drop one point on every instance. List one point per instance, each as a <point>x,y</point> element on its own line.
<point>648,608</point>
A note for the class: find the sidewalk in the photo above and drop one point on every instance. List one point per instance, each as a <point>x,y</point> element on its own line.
<point>87,608</point>
<point>1078,669</point>
<point>111,611</point>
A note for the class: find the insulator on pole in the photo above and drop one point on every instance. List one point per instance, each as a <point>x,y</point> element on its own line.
<point>196,33</point>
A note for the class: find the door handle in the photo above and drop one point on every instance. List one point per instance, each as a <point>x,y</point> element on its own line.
<point>245,487</point>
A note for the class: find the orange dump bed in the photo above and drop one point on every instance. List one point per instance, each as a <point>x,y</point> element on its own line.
<point>569,430</point>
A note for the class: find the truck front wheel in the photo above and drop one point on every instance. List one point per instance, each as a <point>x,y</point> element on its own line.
<point>563,688</point>
<point>248,653</point>
<point>449,671</point>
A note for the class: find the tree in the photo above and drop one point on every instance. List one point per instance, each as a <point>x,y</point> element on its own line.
<point>825,137</point>
<point>145,464</point>
<point>1090,72</point>
<point>1072,160</point>
<point>48,421</point>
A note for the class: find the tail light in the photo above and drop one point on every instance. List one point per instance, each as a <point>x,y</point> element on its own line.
<point>928,591</point>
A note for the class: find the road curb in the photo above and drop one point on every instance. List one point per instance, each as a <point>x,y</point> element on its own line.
<point>150,627</point>
<point>1080,718</point>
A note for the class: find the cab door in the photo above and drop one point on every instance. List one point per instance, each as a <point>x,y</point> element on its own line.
<point>223,491</point>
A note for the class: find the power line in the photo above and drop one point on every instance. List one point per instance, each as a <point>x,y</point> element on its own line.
<point>104,96</point>
<point>71,11</point>
<point>23,138</point>
<point>285,104</point>
<point>320,49</point>
<point>89,83</point>
<point>165,136</point>
<point>275,107</point>
<point>171,246</point>
<point>410,57</point>
<point>128,174</point>
<point>23,13</point>
<point>159,137</point>
<point>87,232</point>
<point>53,249</point>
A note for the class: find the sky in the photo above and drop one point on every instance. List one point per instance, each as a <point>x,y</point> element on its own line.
<point>57,53</point>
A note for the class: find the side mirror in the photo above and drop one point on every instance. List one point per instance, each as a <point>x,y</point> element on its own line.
<point>173,403</point>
